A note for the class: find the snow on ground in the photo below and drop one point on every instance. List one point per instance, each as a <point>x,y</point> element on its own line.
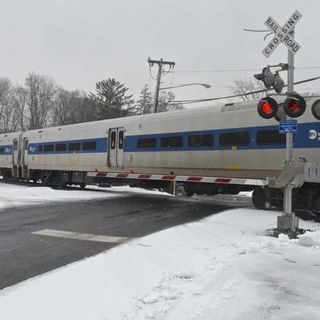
<point>221,267</point>
<point>22,195</point>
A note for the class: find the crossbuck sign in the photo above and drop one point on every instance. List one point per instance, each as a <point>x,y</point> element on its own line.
<point>282,34</point>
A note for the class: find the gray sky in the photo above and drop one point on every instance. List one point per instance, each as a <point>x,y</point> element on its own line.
<point>78,43</point>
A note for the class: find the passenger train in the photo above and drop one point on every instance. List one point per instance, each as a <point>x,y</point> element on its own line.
<point>206,149</point>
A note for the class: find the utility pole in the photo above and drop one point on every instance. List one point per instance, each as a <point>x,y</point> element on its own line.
<point>160,64</point>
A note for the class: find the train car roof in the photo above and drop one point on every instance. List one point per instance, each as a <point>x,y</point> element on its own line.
<point>161,115</point>
<point>177,114</point>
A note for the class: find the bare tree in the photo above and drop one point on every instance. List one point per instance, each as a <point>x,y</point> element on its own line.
<point>7,118</point>
<point>40,92</point>
<point>88,109</point>
<point>19,105</point>
<point>66,107</point>
<point>243,86</point>
<point>5,104</point>
<point>166,102</point>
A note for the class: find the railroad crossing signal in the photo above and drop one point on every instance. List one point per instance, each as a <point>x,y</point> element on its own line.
<point>294,106</point>
<point>270,80</point>
<point>282,34</point>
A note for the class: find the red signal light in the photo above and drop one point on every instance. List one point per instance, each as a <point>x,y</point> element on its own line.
<point>267,108</point>
<point>294,106</point>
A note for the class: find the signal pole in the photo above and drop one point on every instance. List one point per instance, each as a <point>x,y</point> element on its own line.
<point>294,105</point>
<point>289,136</point>
<point>160,64</point>
<point>288,219</point>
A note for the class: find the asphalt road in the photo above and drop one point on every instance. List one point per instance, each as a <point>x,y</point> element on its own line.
<point>24,254</point>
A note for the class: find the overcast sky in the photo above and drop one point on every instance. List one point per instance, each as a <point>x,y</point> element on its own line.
<point>80,42</point>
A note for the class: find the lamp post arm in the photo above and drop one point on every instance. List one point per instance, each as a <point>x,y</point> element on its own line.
<point>188,84</point>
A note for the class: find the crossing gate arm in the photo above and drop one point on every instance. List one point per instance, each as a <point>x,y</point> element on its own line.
<point>199,179</point>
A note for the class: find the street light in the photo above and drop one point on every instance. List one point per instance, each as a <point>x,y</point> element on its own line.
<point>206,85</point>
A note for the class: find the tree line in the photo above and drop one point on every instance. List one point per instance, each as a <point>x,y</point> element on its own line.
<point>40,103</point>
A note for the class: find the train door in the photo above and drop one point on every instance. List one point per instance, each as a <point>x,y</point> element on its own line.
<point>115,147</point>
<point>24,158</point>
<point>15,158</point>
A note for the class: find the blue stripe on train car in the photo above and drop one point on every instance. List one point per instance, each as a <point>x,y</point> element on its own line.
<point>6,150</point>
<point>308,136</point>
<point>101,146</point>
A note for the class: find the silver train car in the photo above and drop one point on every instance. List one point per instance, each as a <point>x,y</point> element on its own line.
<point>196,147</point>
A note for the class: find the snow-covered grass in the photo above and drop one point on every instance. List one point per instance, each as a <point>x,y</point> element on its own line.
<point>222,267</point>
<point>12,195</point>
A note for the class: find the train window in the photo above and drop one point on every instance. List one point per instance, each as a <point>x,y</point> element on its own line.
<point>1,149</point>
<point>171,142</point>
<point>121,139</point>
<point>40,148</point>
<point>199,140</point>
<point>74,146</point>
<point>113,140</point>
<point>234,138</point>
<point>89,145</point>
<point>147,143</point>
<point>61,147</point>
<point>15,145</point>
<point>267,137</point>
<point>48,147</point>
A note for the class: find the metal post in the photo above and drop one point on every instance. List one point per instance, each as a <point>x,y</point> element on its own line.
<point>289,136</point>
<point>289,220</point>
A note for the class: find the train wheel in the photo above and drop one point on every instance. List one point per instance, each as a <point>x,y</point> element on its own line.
<point>261,198</point>
<point>44,181</point>
<point>82,186</point>
<point>188,190</point>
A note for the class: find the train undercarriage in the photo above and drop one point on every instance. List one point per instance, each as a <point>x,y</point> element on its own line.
<point>306,197</point>
<point>49,177</point>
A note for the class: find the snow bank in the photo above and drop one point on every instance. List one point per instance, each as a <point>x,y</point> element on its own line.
<point>20,195</point>
<point>222,267</point>
<point>310,239</point>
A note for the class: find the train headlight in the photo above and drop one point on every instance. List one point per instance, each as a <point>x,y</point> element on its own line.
<point>315,109</point>
<point>294,106</point>
<point>267,107</point>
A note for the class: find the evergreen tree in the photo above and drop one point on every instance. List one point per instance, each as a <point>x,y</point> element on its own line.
<point>145,103</point>
<point>112,95</point>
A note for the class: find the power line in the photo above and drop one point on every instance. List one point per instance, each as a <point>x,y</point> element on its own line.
<point>216,71</point>
<point>239,95</point>
<point>234,70</point>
